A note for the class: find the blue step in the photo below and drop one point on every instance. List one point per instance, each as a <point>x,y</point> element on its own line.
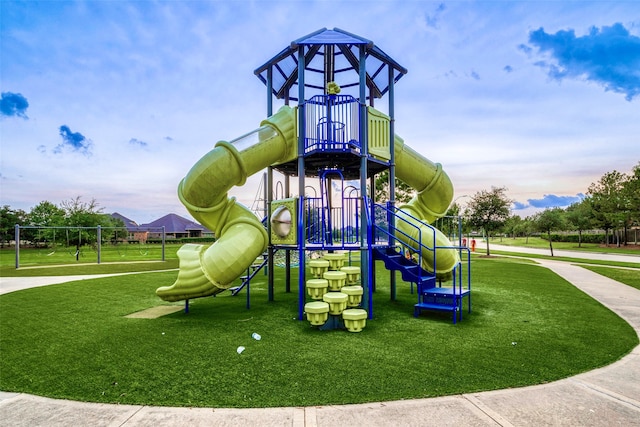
<point>443,292</point>
<point>252,271</point>
<point>453,308</point>
<point>429,306</point>
<point>409,270</point>
<point>441,299</point>
<point>430,296</point>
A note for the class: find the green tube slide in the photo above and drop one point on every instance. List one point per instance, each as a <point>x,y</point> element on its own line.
<point>435,192</point>
<point>208,269</point>
<point>241,237</point>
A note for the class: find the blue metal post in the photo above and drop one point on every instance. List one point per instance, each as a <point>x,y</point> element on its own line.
<point>287,262</point>
<point>365,243</point>
<point>392,173</point>
<point>268,192</point>
<point>301,184</point>
<point>249,294</point>
<point>269,185</point>
<point>270,91</point>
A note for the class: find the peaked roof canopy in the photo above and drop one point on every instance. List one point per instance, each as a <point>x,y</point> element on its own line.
<point>330,55</point>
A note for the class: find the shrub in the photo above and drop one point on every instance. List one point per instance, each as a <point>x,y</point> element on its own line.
<point>575,238</point>
<point>183,240</point>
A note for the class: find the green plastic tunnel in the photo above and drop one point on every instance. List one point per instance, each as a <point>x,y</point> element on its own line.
<point>434,195</point>
<point>241,237</point>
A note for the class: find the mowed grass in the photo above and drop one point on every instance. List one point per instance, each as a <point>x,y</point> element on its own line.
<point>627,276</point>
<point>528,326</point>
<point>537,242</point>
<point>35,262</point>
<point>122,252</point>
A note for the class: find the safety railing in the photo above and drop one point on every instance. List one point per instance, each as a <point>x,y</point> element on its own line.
<point>332,123</point>
<point>335,226</point>
<point>386,230</point>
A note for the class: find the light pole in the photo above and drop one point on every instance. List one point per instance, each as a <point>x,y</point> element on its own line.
<point>459,197</point>
<point>460,218</point>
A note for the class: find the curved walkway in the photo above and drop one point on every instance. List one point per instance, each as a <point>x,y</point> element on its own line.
<point>618,257</point>
<point>609,396</point>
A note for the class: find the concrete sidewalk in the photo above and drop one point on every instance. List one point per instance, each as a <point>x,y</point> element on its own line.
<point>608,396</point>
<point>12,284</point>
<point>482,248</point>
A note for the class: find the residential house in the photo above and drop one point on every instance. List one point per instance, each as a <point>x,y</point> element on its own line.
<point>175,227</point>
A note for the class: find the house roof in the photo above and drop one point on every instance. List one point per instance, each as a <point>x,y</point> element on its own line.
<point>129,223</point>
<point>173,223</point>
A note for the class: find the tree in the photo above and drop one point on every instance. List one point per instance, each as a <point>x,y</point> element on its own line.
<point>512,226</point>
<point>85,214</point>
<point>488,210</point>
<point>454,210</point>
<point>550,220</point>
<point>608,201</point>
<point>8,220</point>
<point>81,214</point>
<point>631,192</point>
<point>403,192</point>
<point>44,214</point>
<point>526,227</point>
<point>580,216</point>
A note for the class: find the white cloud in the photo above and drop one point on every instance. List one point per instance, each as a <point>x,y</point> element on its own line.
<point>153,86</point>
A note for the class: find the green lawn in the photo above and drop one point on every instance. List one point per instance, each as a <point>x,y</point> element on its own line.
<point>626,276</point>
<point>528,326</point>
<point>35,262</point>
<point>58,255</point>
<point>566,259</point>
<point>537,242</point>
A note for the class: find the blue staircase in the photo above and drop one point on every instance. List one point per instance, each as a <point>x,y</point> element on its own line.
<point>431,294</point>
<point>409,270</point>
<point>251,272</point>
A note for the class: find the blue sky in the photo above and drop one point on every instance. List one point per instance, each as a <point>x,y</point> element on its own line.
<point>116,100</point>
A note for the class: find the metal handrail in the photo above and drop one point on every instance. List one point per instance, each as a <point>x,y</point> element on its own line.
<point>332,123</point>
<point>417,246</point>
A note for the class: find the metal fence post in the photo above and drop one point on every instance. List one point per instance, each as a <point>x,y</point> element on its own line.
<point>99,238</point>
<point>163,241</point>
<point>17,237</point>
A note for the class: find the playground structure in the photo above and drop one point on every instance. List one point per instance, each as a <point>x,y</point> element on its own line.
<point>336,139</point>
